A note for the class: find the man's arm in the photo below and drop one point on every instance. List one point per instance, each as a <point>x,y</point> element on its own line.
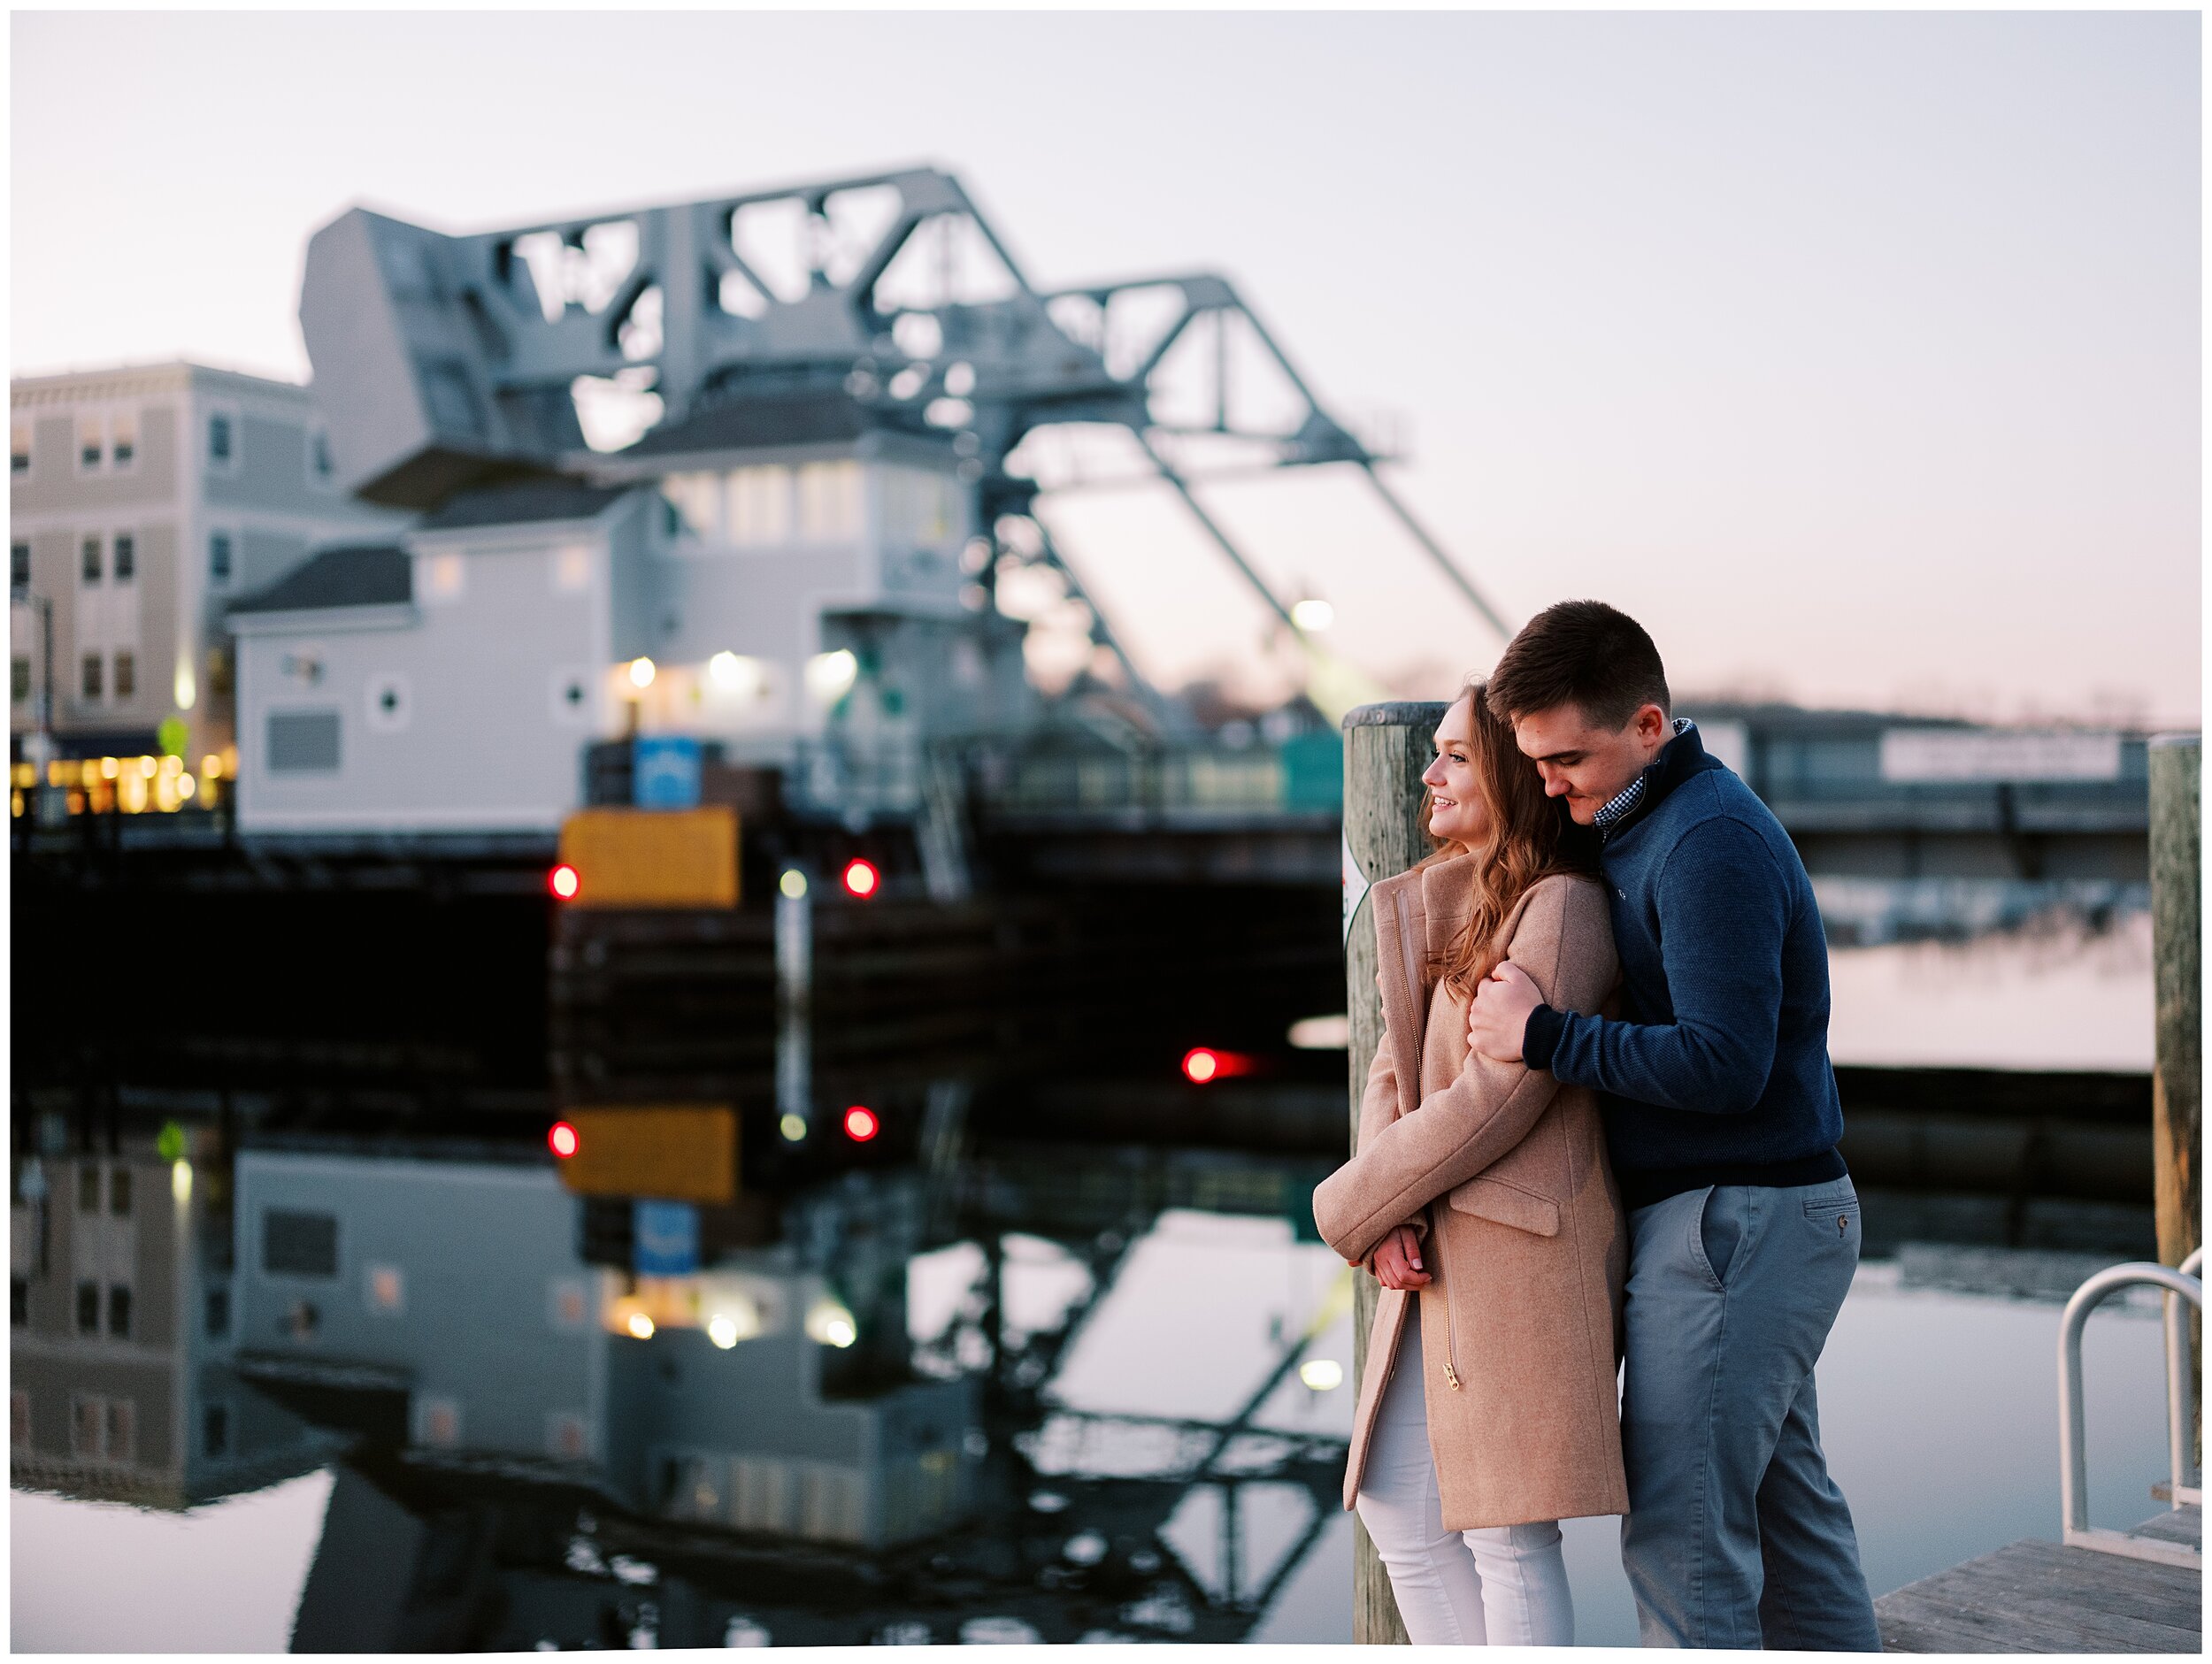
<point>1723,909</point>
<point>1564,940</point>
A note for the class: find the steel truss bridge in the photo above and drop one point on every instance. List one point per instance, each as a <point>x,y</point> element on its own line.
<point>444,361</point>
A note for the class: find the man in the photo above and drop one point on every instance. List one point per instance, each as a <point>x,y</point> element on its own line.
<point>1722,1119</point>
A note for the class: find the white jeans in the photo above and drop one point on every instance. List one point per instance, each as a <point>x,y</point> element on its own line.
<point>1503,1585</point>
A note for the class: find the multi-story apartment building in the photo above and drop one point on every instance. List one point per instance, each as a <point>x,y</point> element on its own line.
<point>123,1337</point>
<point>140,500</point>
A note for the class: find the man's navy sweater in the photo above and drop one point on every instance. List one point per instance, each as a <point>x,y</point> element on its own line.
<point>1717,1070</point>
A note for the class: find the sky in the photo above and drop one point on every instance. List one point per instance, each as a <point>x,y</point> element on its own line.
<point>1856,354</point>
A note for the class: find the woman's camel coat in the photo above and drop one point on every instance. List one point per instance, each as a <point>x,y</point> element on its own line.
<point>1525,1241</point>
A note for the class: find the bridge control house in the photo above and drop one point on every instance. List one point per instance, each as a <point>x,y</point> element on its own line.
<point>782,579</point>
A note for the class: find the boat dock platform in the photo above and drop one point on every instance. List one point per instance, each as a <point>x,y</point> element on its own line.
<point>2039,1597</point>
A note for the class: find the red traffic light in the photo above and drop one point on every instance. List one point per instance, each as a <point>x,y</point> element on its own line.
<point>564,881</point>
<point>861,1124</point>
<point>563,1140</point>
<point>1202,1064</point>
<point>861,878</point>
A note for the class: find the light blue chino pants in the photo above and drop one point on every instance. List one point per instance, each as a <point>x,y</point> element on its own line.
<point>1736,1536</point>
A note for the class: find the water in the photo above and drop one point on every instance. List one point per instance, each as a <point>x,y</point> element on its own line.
<point>1034,1362</point>
<point>1147,1484</point>
<point>1991,1002</point>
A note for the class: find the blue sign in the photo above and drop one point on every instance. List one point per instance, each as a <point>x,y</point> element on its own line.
<point>665,1238</point>
<point>665,771</point>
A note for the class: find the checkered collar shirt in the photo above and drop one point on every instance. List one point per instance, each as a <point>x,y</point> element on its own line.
<point>1621,806</point>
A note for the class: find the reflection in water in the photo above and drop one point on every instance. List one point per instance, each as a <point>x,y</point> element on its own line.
<point>1988,1000</point>
<point>125,1384</point>
<point>989,1374</point>
<point>842,1420</point>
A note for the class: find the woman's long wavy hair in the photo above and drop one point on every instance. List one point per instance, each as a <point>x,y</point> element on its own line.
<point>1524,846</point>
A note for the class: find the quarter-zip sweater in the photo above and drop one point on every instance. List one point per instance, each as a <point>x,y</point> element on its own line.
<point>1715,1071</point>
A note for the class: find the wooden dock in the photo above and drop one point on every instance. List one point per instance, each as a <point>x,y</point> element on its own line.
<point>2037,1596</point>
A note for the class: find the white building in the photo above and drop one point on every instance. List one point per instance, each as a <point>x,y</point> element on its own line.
<point>785,581</point>
<point>458,1284</point>
<point>821,582</point>
<point>451,681</point>
<point>140,500</point>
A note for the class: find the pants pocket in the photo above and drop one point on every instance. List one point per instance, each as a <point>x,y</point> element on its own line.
<point>1722,1221</point>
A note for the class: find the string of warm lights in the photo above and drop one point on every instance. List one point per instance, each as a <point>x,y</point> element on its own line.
<point>128,785</point>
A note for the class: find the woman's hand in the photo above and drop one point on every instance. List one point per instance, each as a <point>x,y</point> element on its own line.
<point>1398,1261</point>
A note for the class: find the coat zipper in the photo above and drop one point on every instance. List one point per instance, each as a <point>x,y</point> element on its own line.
<point>1413,983</point>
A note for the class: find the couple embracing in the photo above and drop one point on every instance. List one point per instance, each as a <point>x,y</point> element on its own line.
<point>1600,1132</point>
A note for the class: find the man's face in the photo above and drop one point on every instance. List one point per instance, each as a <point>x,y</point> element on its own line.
<point>1587,764</point>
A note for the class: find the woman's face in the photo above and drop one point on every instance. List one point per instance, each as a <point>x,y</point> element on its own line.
<point>1457,813</point>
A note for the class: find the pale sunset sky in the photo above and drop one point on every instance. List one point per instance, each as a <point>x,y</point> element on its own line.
<point>1857,355</point>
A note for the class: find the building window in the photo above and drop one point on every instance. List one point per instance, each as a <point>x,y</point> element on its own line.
<point>92,676</point>
<point>91,564</point>
<point>438,1423</point>
<point>87,1309</point>
<point>19,679</point>
<point>299,1245</point>
<point>123,446</point>
<point>218,671</point>
<point>118,1312</point>
<point>18,449</point>
<point>18,1418</point>
<point>445,578</point>
<point>90,447</point>
<point>126,675</point>
<point>102,1428</point>
<point>760,505</point>
<point>221,440</point>
<point>386,1290</point>
<point>126,558</point>
<point>119,1185</point>
<point>18,1302</point>
<point>89,1189</point>
<point>19,569</point>
<point>215,1429</point>
<point>216,1313</point>
<point>697,499</point>
<point>219,557</point>
<point>829,502</point>
<point>302,741</point>
<point>84,1425</point>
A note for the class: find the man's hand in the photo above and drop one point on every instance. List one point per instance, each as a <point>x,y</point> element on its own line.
<point>1499,1015</point>
<point>1398,1261</point>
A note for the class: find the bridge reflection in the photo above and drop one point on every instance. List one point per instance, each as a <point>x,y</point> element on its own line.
<point>518,1461</point>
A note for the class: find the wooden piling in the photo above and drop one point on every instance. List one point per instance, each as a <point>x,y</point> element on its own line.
<point>1386,748</point>
<point>2177,951</point>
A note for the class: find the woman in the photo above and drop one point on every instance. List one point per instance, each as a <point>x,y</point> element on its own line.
<point>1481,1198</point>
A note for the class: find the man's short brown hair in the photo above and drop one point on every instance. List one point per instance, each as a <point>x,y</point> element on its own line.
<point>1582,653</point>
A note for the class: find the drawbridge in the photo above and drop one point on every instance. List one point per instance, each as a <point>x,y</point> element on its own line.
<point>447,362</point>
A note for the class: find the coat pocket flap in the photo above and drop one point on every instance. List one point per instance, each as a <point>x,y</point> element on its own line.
<point>1488,1197</point>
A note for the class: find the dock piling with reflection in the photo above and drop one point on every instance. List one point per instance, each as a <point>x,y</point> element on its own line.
<point>1386,749</point>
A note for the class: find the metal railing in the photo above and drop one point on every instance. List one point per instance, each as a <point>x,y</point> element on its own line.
<point>2186,1487</point>
<point>2073,1460</point>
